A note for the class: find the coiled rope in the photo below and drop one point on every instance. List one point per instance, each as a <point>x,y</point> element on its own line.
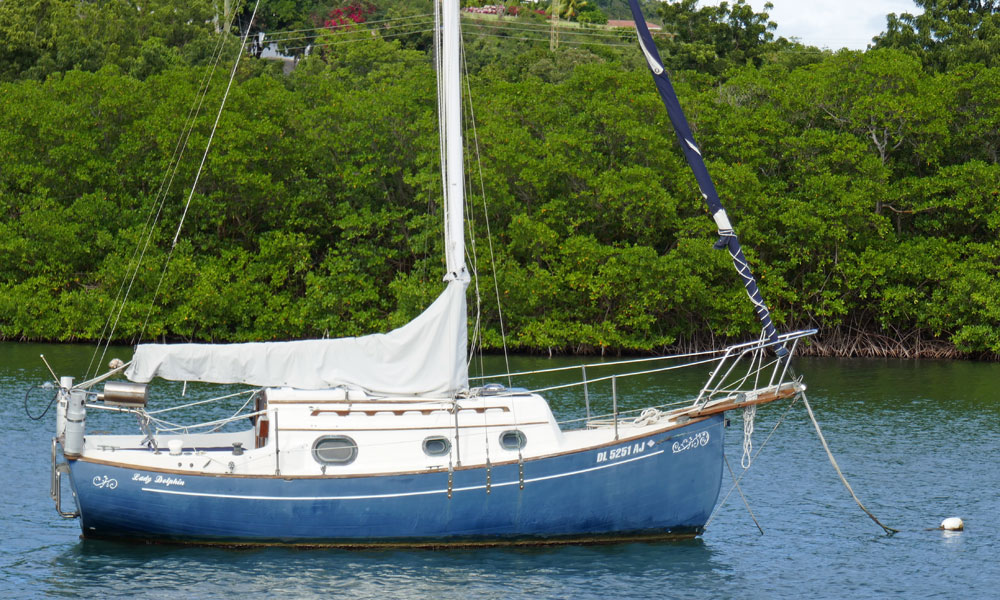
<point>648,416</point>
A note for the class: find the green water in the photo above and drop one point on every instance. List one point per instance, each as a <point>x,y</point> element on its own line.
<point>918,440</point>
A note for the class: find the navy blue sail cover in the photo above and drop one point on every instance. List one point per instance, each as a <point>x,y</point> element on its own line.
<point>727,237</point>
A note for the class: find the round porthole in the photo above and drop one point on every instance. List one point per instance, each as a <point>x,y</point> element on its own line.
<point>335,450</point>
<point>512,440</point>
<point>437,446</point>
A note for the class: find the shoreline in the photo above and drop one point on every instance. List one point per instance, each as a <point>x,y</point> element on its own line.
<point>832,344</point>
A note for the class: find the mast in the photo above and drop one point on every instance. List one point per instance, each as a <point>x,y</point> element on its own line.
<point>454,171</point>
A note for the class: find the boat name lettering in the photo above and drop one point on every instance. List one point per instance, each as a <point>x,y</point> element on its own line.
<point>160,479</point>
<point>623,451</point>
<point>692,441</point>
<point>103,481</point>
<point>168,481</point>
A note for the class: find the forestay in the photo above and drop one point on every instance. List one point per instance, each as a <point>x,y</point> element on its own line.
<point>727,236</point>
<point>425,357</point>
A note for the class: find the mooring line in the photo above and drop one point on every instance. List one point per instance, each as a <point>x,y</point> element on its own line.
<point>737,486</point>
<point>736,480</point>
<point>833,461</point>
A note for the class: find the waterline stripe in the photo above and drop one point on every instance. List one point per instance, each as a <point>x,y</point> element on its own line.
<point>402,495</point>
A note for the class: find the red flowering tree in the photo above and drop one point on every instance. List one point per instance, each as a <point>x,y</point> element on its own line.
<point>353,13</point>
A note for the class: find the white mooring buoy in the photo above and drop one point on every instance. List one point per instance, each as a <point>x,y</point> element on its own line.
<point>952,524</point>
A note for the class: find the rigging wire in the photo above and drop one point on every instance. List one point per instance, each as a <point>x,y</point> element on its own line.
<point>325,32</point>
<point>165,187</point>
<point>211,136</point>
<point>274,37</point>
<point>530,27</point>
<point>156,206</point>
<point>489,234</point>
<point>334,29</point>
<point>200,402</point>
<point>361,39</point>
<point>577,37</point>
<point>201,166</point>
<point>470,226</point>
<point>470,219</point>
<point>545,40</point>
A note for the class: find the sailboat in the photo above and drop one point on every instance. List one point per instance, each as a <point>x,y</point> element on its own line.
<point>381,440</point>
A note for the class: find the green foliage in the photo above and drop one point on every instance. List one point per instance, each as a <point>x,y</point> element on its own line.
<point>947,34</point>
<point>863,184</point>
<point>590,14</point>
<point>714,38</point>
<point>41,38</point>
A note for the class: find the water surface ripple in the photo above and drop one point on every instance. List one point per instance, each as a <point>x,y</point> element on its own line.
<point>917,440</point>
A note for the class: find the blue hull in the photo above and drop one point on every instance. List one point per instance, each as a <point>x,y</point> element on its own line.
<point>658,486</point>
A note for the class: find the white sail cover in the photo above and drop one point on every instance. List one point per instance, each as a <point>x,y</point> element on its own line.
<point>425,357</point>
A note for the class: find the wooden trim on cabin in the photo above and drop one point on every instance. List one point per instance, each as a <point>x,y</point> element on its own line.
<point>371,412</point>
<point>447,428</point>
<point>391,401</point>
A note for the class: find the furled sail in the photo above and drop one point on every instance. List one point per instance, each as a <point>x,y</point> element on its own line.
<point>425,357</point>
<point>727,237</point>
